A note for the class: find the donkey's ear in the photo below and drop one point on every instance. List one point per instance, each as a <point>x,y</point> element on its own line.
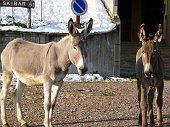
<point>141,33</point>
<point>158,34</point>
<point>71,27</point>
<point>88,27</point>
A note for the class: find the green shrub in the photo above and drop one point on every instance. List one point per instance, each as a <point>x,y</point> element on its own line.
<point>11,22</point>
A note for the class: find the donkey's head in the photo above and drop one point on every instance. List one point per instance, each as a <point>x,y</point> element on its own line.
<point>149,54</point>
<point>78,49</point>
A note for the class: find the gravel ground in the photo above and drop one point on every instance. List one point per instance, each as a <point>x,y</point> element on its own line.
<point>87,104</point>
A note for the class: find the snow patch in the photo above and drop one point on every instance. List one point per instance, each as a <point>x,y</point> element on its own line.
<point>118,79</point>
<point>54,15</point>
<point>87,78</point>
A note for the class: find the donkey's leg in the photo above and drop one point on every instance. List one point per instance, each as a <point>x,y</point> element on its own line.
<point>150,108</point>
<point>159,103</point>
<point>139,100</point>
<point>47,102</point>
<point>7,77</point>
<point>54,93</point>
<point>17,98</point>
<point>143,106</point>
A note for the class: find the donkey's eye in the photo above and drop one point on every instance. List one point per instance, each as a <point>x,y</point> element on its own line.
<point>74,48</point>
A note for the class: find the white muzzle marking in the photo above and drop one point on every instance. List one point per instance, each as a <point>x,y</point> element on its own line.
<point>147,67</point>
<point>81,64</point>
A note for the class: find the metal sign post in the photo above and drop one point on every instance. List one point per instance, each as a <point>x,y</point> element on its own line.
<point>79,7</point>
<point>77,20</point>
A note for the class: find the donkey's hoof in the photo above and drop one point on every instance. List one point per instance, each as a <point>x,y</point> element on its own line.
<point>152,125</point>
<point>5,125</point>
<point>160,125</point>
<point>140,119</point>
<point>139,122</point>
<point>25,125</point>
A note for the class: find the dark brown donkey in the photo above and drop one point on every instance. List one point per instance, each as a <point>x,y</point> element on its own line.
<point>46,64</point>
<point>150,74</point>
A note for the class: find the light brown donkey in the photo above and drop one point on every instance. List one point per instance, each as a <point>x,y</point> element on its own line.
<point>46,64</point>
<point>150,74</point>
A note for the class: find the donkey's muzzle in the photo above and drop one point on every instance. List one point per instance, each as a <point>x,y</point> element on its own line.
<point>82,71</point>
<point>149,74</point>
<point>148,71</point>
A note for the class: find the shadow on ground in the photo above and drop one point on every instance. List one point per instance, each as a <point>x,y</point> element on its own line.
<point>105,120</point>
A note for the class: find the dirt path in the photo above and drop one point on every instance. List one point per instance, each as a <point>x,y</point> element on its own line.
<point>102,104</point>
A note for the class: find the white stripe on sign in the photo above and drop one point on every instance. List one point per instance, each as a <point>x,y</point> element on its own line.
<point>79,6</point>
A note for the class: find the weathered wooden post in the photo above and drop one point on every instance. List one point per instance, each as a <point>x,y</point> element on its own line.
<point>28,17</point>
<point>31,4</point>
<point>79,7</point>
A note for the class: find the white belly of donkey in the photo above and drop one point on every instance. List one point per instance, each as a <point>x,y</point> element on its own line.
<point>29,79</point>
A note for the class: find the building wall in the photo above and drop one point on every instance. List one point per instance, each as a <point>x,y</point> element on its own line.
<point>103,49</point>
<point>167,22</point>
<point>110,5</point>
<point>136,19</point>
<point>128,59</point>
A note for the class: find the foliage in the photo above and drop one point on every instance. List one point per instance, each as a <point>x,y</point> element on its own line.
<point>19,24</point>
<point>10,21</point>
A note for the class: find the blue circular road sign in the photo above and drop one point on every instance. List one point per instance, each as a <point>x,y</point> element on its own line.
<point>79,7</point>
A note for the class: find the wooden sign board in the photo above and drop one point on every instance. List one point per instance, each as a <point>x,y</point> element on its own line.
<point>22,3</point>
